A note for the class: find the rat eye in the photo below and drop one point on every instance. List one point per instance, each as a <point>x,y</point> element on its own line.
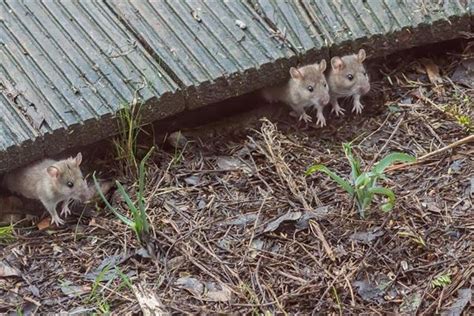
<point>70,184</point>
<point>325,85</point>
<point>350,77</point>
<point>310,88</point>
<point>365,73</point>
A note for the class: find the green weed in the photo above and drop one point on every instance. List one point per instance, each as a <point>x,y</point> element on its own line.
<point>441,281</point>
<point>6,234</point>
<point>363,185</point>
<point>139,222</point>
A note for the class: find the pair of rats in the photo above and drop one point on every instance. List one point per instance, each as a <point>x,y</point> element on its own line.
<point>51,182</point>
<point>309,86</point>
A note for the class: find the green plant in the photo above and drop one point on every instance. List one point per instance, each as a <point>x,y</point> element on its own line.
<point>139,222</point>
<point>363,185</point>
<point>96,296</point>
<point>6,234</point>
<point>441,280</point>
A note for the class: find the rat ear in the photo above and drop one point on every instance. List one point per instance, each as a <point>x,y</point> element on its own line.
<point>295,73</point>
<point>337,63</point>
<point>322,65</point>
<point>361,55</point>
<point>78,159</point>
<point>53,172</point>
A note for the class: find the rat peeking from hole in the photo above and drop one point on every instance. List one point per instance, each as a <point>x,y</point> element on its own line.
<point>51,182</point>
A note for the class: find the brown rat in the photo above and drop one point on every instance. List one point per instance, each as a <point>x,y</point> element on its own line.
<point>307,87</point>
<point>348,77</point>
<point>51,182</point>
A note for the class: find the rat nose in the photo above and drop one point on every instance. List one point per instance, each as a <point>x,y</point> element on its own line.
<point>365,88</point>
<point>325,99</point>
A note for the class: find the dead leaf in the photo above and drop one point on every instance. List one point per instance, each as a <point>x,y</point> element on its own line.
<point>209,291</point>
<point>373,292</point>
<point>7,271</point>
<point>317,214</point>
<point>432,70</point>
<point>44,223</point>
<point>464,297</point>
<point>464,73</point>
<point>274,225</point>
<point>71,290</point>
<point>149,302</point>
<point>242,220</point>
<point>410,303</point>
<point>192,180</point>
<point>227,163</point>
<point>255,247</point>
<point>367,237</point>
<point>192,285</point>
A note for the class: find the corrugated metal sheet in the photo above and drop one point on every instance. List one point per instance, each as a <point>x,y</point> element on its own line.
<point>67,66</point>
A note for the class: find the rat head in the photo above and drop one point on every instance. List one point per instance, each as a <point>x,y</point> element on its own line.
<point>310,83</point>
<point>67,180</point>
<point>348,75</point>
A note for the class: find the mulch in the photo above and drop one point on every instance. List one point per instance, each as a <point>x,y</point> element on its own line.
<point>237,227</point>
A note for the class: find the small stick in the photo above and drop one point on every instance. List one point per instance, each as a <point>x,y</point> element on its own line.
<point>460,142</point>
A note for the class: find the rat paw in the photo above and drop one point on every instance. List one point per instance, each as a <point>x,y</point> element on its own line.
<point>357,108</point>
<point>321,120</point>
<point>338,110</point>
<point>57,220</point>
<point>65,211</point>
<point>305,118</point>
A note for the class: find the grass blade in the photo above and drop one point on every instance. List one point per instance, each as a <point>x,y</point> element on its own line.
<point>124,219</point>
<point>390,159</point>
<point>141,189</point>
<point>343,183</point>
<point>355,164</point>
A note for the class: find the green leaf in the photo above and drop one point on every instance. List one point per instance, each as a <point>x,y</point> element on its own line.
<point>354,162</point>
<point>141,189</point>
<point>388,193</point>
<point>124,219</point>
<point>390,159</point>
<point>126,197</point>
<point>141,180</point>
<point>343,183</point>
<point>362,181</point>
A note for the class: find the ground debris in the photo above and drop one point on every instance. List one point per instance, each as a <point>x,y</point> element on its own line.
<point>234,218</point>
<point>463,299</point>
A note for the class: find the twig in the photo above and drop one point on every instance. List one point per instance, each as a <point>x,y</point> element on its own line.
<point>460,142</point>
<point>388,141</point>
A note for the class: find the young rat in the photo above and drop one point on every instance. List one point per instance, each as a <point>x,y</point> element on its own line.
<point>51,182</point>
<point>348,77</point>
<point>307,87</point>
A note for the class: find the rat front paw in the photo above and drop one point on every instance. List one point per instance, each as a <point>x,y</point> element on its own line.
<point>337,110</point>
<point>55,219</point>
<point>65,211</point>
<point>357,107</point>
<point>321,120</point>
<point>305,118</point>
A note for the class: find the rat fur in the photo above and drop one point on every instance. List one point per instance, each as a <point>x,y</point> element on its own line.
<point>51,182</point>
<point>307,87</point>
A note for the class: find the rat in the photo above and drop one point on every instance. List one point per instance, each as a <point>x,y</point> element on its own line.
<point>307,87</point>
<point>51,182</point>
<point>348,77</point>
